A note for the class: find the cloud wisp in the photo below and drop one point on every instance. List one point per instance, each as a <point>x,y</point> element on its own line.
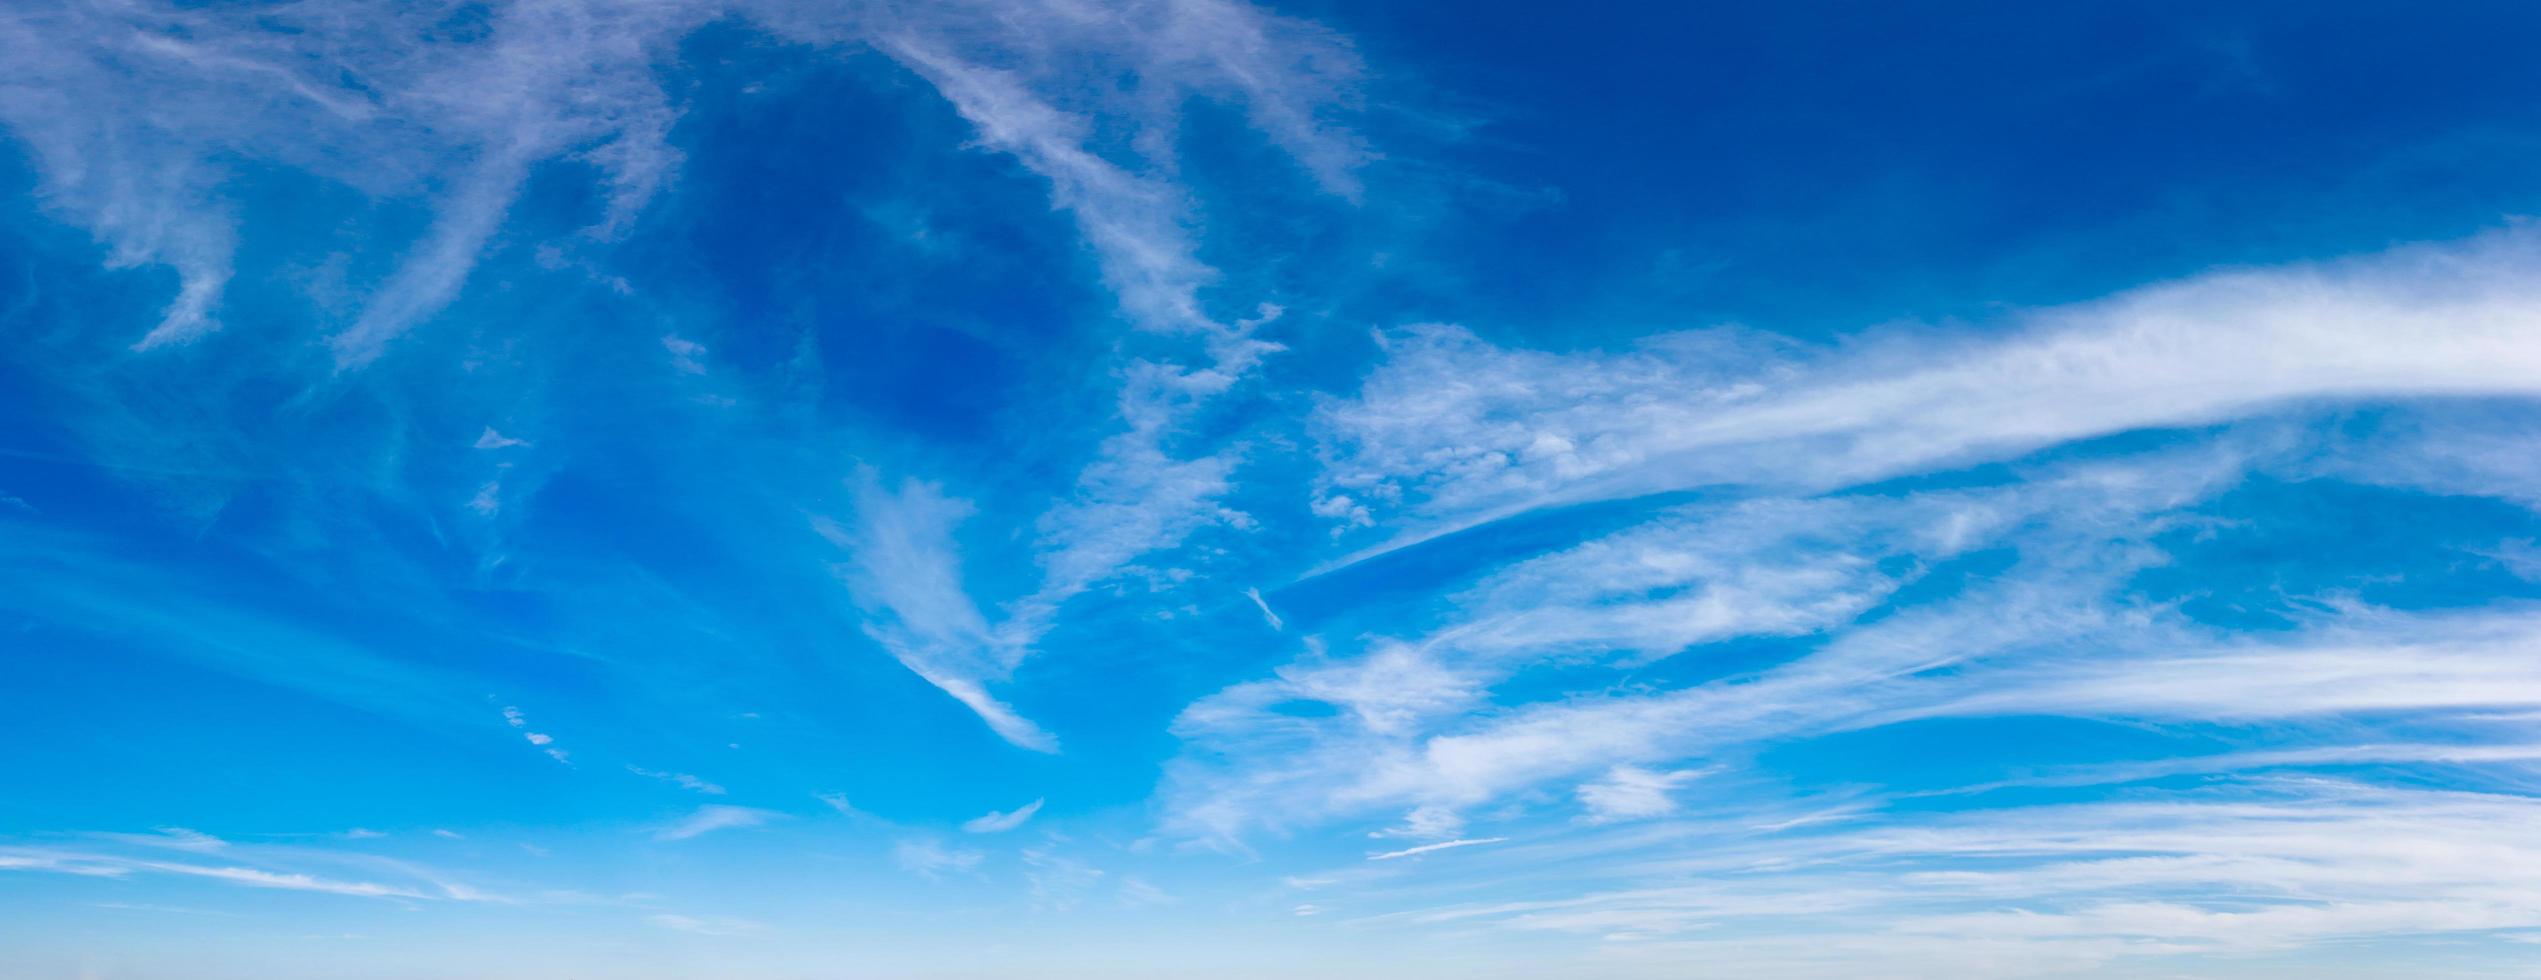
<point>1463,433</point>
<point>994,822</point>
<point>714,817</point>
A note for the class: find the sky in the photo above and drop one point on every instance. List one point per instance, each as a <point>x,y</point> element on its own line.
<point>1168,488</point>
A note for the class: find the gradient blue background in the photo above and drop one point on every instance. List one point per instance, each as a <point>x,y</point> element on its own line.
<point>1183,488</point>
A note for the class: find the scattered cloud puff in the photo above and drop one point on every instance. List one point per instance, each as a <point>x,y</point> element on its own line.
<point>1632,793</point>
<point>838,802</point>
<point>545,742</point>
<point>491,439</point>
<point>1426,823</point>
<point>687,356</point>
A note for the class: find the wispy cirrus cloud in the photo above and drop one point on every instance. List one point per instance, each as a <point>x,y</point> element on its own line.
<point>1417,721</point>
<point>713,817</point>
<point>378,97</point>
<point>905,569</point>
<point>263,866</point>
<point>1139,494</point>
<point>2239,868</point>
<point>1450,431</point>
<point>443,115</point>
<point>1427,723</point>
<point>1603,596</point>
<point>930,858</point>
<point>994,822</point>
<point>1633,793</point>
<point>680,779</point>
<point>703,926</point>
<point>1058,882</point>
<point>1420,849</point>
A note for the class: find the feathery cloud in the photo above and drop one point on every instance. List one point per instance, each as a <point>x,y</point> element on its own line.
<point>713,817</point>
<point>994,822</point>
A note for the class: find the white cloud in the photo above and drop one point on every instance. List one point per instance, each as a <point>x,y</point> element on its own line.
<point>1439,721</point>
<point>1058,883</point>
<point>930,858</point>
<point>702,926</point>
<point>1450,432</point>
<point>904,569</point>
<point>2365,662</point>
<point>1414,720</point>
<point>545,742</point>
<point>257,878</point>
<point>2233,869</point>
<point>1426,823</point>
<point>252,866</point>
<point>172,838</point>
<point>1462,432</point>
<point>680,779</point>
<point>1290,75</point>
<point>687,356</point>
<point>1138,894</point>
<point>1440,846</point>
<point>1268,616</point>
<point>140,113</point>
<point>1633,793</point>
<point>838,802</point>
<point>994,822</point>
<point>714,817</point>
<point>1136,497</point>
<point>488,500</point>
<point>140,116</point>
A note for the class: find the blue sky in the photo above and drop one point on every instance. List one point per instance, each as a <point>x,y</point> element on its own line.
<point>1178,488</point>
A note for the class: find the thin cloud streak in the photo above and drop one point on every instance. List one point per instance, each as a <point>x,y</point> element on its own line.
<point>1440,846</point>
<point>1467,434</point>
<point>713,817</point>
<point>995,822</point>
